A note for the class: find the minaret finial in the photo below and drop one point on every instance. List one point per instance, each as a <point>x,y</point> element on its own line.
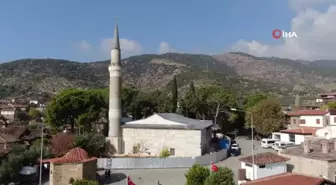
<point>116,44</point>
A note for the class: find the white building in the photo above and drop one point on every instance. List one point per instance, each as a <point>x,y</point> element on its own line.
<point>312,118</point>
<point>265,164</point>
<point>8,113</point>
<point>304,123</point>
<point>180,135</point>
<point>295,135</point>
<point>33,102</point>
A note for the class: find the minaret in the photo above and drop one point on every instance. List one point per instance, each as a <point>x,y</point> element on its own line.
<point>114,68</point>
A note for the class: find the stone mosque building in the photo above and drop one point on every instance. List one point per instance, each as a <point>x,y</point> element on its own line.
<point>180,135</point>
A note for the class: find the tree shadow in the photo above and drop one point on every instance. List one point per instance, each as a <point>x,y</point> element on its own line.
<point>109,148</point>
<point>114,177</point>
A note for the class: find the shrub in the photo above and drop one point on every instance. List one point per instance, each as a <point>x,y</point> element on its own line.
<point>165,153</point>
<point>71,180</point>
<point>93,144</point>
<point>224,176</point>
<point>84,182</point>
<point>196,175</point>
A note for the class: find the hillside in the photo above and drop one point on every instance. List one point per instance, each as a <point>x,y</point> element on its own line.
<point>237,71</point>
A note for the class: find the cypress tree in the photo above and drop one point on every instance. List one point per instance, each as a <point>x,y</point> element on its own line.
<point>174,94</point>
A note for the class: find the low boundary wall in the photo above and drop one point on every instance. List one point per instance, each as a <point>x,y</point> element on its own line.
<point>155,162</point>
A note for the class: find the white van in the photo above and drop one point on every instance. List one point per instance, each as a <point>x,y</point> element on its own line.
<point>281,144</point>
<point>268,143</point>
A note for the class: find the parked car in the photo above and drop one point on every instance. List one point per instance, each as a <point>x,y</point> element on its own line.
<point>234,149</point>
<point>278,145</point>
<point>268,143</point>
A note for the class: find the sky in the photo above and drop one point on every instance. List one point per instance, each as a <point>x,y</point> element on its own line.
<point>81,30</point>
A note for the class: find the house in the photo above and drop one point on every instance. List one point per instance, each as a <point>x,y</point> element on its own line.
<point>304,123</point>
<point>265,164</point>
<point>327,132</point>
<point>21,107</point>
<point>35,102</point>
<point>76,164</point>
<point>6,143</point>
<point>315,158</point>
<point>289,179</point>
<point>295,135</point>
<point>326,97</point>
<point>312,118</point>
<point>8,113</point>
<point>180,135</point>
<point>22,134</point>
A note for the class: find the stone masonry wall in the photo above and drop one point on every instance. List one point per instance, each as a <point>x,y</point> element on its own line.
<point>90,170</point>
<point>308,166</point>
<point>186,143</point>
<point>332,171</point>
<point>60,174</point>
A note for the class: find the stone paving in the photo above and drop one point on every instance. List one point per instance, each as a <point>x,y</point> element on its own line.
<point>176,176</point>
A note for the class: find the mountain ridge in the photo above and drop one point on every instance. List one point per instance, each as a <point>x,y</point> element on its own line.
<point>241,72</point>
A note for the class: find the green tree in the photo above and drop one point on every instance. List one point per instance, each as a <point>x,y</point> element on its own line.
<point>73,106</point>
<point>213,97</point>
<point>174,94</point>
<point>224,176</point>
<point>84,182</point>
<point>190,102</point>
<point>331,105</point>
<point>93,144</point>
<point>267,117</point>
<point>19,157</point>
<point>164,153</point>
<point>34,113</point>
<point>21,115</point>
<point>253,99</point>
<point>128,96</point>
<point>197,175</point>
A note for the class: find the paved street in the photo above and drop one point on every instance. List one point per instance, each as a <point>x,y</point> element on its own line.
<point>176,176</point>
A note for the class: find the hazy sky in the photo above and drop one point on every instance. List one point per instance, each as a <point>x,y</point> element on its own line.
<point>81,30</point>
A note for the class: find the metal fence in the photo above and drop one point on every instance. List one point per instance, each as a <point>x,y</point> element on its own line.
<point>170,162</point>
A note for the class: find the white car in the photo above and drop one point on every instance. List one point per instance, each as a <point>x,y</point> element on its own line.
<point>278,145</point>
<point>268,143</point>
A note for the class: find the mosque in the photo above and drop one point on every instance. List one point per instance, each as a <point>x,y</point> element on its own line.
<point>163,131</point>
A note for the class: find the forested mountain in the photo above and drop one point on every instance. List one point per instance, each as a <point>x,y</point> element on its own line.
<point>237,71</point>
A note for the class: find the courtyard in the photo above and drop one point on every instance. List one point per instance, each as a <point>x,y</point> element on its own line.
<point>176,176</point>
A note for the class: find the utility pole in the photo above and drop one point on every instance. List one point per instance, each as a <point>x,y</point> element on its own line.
<point>252,139</point>
<point>41,156</point>
<point>252,135</point>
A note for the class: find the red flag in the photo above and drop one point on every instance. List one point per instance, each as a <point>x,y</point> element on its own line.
<point>129,182</point>
<point>213,167</point>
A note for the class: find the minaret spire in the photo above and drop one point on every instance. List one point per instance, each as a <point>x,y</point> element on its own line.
<point>116,43</point>
<point>114,134</point>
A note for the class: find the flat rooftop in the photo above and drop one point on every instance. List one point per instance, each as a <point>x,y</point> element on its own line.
<point>316,151</point>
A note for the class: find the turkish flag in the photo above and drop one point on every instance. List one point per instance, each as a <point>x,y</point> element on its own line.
<point>213,167</point>
<point>129,182</point>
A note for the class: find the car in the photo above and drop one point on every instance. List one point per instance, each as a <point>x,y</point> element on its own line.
<point>234,149</point>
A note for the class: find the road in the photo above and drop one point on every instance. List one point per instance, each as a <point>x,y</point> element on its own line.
<point>176,176</point>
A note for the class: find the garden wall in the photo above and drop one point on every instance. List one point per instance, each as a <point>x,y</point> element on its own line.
<point>154,162</point>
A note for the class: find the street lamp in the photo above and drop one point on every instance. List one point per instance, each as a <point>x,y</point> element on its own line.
<point>252,135</point>
<point>41,156</point>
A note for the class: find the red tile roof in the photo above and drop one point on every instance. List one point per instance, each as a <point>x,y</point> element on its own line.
<point>287,179</point>
<point>75,155</point>
<point>264,158</point>
<point>308,113</point>
<point>302,130</point>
